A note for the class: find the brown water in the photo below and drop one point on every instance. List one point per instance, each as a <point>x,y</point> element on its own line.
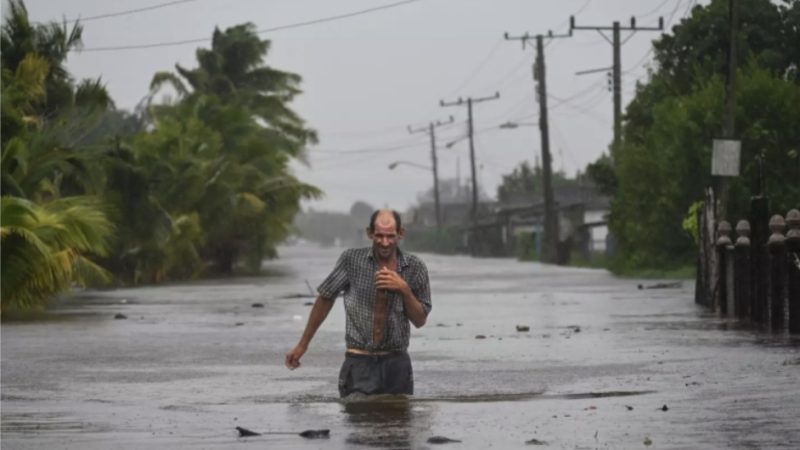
<point>601,359</point>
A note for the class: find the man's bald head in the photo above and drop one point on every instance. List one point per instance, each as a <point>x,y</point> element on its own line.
<point>385,217</point>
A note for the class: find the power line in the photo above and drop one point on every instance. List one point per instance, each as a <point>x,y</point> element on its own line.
<point>653,11</point>
<point>478,68</point>
<point>262,31</point>
<point>127,12</point>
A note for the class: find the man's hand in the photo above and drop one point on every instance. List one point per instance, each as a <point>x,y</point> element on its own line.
<point>293,357</point>
<point>390,280</point>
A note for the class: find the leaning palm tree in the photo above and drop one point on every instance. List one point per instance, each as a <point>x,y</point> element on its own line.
<point>244,135</point>
<point>45,248</point>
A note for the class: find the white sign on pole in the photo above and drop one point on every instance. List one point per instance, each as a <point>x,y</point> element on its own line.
<point>725,157</point>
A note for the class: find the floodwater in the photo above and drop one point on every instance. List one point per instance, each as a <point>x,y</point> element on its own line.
<point>599,363</point>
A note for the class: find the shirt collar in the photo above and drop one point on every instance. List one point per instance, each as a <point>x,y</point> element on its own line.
<point>401,257</point>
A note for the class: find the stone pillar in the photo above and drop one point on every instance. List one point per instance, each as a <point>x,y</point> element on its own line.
<point>759,220</point>
<point>743,286</point>
<point>793,270</point>
<point>777,273</point>
<point>724,291</point>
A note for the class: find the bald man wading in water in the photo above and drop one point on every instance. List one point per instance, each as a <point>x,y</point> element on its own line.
<point>384,289</point>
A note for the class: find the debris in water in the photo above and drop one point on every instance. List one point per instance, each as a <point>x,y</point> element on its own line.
<point>308,434</point>
<point>480,336</point>
<point>120,316</point>
<point>308,304</point>
<point>316,434</point>
<point>664,408</point>
<point>523,328</point>
<point>257,305</point>
<point>535,441</point>
<point>676,284</point>
<point>238,324</point>
<point>648,441</point>
<point>630,408</point>
<point>441,440</point>
<point>244,432</point>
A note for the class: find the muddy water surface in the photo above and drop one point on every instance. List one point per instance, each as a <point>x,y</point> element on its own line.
<point>600,361</point>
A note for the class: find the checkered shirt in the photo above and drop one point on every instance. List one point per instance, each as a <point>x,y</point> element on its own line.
<point>354,274</point>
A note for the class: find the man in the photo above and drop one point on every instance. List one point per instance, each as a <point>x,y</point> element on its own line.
<point>384,289</point>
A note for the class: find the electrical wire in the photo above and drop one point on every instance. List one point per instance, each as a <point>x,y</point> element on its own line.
<point>127,12</point>
<point>262,31</point>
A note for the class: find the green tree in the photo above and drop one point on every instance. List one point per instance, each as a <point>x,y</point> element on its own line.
<point>49,228</point>
<point>45,248</point>
<point>663,164</point>
<point>222,150</point>
<point>525,184</point>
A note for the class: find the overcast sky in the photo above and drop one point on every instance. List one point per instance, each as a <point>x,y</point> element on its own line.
<point>366,78</point>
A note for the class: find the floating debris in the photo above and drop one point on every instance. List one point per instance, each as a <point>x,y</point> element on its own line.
<point>308,434</point>
<point>523,328</point>
<point>676,284</point>
<point>535,441</point>
<point>120,316</point>
<point>664,408</point>
<point>257,305</point>
<point>480,336</point>
<point>441,440</point>
<point>244,432</point>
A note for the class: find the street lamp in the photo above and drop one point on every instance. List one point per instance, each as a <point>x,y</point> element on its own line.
<point>512,125</point>
<point>455,141</point>
<point>409,163</point>
<point>394,164</point>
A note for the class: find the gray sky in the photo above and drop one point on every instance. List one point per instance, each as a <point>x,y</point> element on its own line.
<point>366,78</point>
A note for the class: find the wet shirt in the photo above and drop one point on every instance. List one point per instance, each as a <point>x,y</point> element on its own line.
<point>354,275</point>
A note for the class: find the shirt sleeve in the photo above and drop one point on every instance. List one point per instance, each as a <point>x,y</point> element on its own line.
<point>337,280</point>
<point>422,288</point>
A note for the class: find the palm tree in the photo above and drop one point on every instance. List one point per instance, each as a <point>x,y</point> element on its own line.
<point>45,248</point>
<point>242,136</point>
<point>49,230</point>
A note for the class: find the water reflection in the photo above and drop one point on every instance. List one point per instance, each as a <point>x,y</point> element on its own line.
<point>386,422</point>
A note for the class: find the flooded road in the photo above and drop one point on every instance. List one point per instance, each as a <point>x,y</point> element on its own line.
<point>596,369</point>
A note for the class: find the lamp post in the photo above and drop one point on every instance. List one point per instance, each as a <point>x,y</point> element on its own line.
<point>394,165</point>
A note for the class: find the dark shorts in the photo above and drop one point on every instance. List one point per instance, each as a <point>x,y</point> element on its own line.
<point>382,374</point>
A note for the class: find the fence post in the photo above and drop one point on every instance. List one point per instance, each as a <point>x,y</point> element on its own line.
<point>793,270</point>
<point>723,260</point>
<point>759,220</point>
<point>777,278</point>
<point>743,287</point>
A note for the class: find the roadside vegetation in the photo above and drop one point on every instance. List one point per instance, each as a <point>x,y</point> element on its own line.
<point>193,186</point>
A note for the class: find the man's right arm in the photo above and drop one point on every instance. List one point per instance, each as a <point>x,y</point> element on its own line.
<point>322,306</point>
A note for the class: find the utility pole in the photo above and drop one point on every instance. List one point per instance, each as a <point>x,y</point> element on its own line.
<point>434,163</point>
<point>550,241</point>
<point>729,124</point>
<point>470,132</point>
<point>617,69</point>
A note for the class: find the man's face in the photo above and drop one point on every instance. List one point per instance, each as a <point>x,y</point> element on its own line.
<point>385,236</point>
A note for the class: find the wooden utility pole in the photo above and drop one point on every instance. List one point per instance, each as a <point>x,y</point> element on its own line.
<point>470,132</point>
<point>617,68</point>
<point>434,163</point>
<point>550,241</point>
<point>729,124</point>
